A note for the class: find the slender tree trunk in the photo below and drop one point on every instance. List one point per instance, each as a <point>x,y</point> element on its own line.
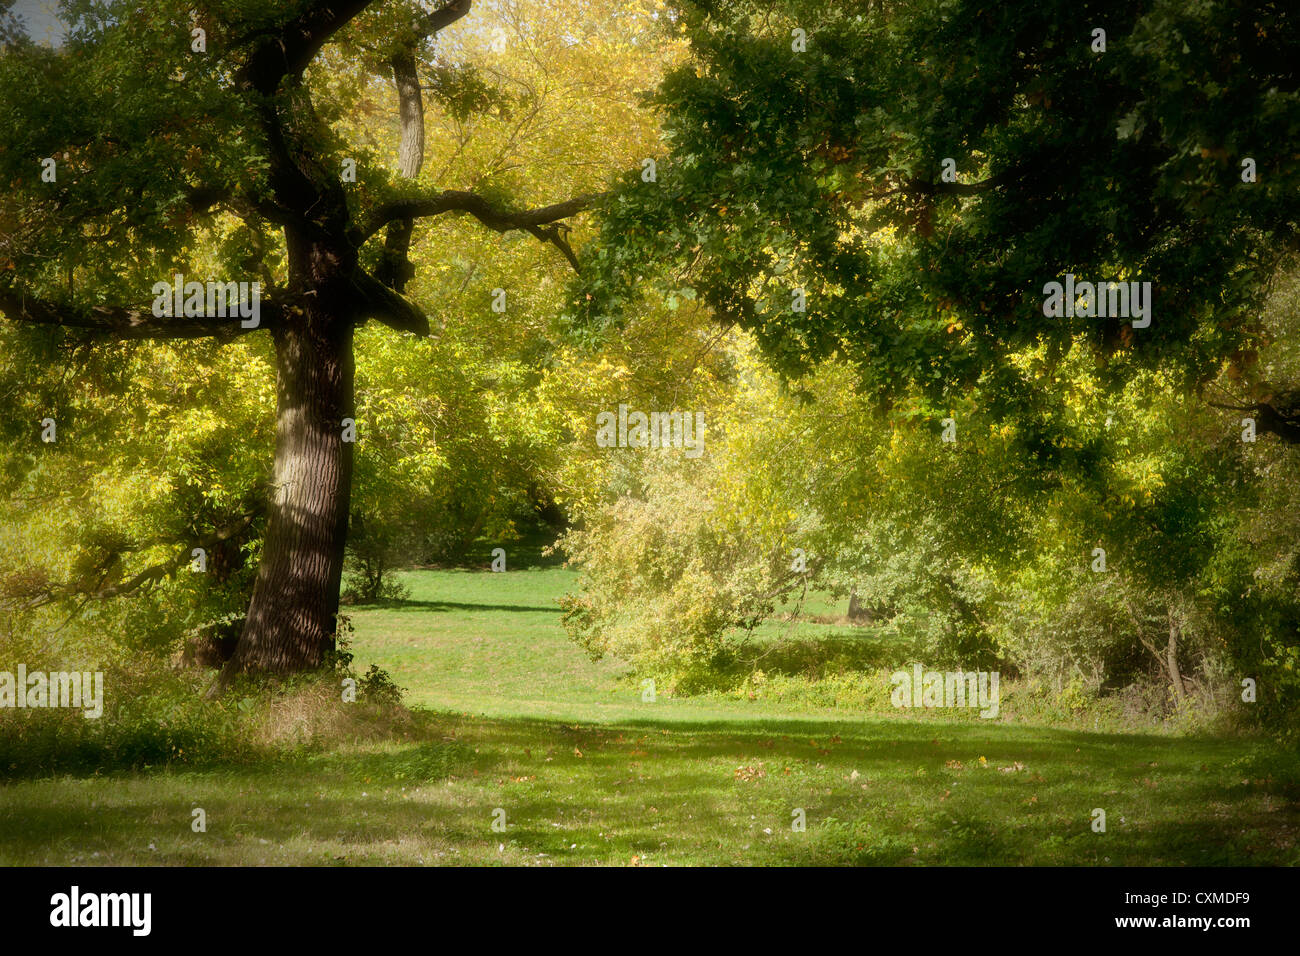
<point>395,269</point>
<point>856,611</point>
<point>1171,658</point>
<point>293,614</point>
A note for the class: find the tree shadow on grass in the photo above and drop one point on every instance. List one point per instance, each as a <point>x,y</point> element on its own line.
<point>413,605</point>
<point>874,791</point>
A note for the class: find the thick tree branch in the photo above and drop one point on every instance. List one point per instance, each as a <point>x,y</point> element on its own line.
<point>277,55</point>
<point>445,16</point>
<point>924,188</point>
<point>1285,424</point>
<point>125,323</point>
<point>1031,173</point>
<point>288,51</point>
<point>396,269</point>
<point>557,235</point>
<point>455,201</point>
<point>391,308</point>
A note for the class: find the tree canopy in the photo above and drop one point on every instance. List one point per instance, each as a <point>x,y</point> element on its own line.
<point>919,171</point>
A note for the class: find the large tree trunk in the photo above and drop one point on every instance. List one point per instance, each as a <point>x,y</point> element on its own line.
<point>293,614</point>
<point>292,619</point>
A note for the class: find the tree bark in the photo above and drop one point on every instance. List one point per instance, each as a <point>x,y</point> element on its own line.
<point>1171,658</point>
<point>395,269</point>
<point>856,611</point>
<point>292,617</point>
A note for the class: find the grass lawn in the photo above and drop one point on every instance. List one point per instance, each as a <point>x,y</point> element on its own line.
<point>513,716</point>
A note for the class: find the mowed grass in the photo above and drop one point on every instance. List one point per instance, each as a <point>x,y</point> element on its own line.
<point>513,718</point>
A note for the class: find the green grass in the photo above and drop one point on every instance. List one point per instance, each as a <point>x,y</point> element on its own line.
<point>513,716</point>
